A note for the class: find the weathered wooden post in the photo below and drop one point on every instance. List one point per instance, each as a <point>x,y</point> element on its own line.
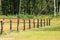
<point>29,24</point>
<point>18,25</point>
<point>1,27</point>
<point>24,26</point>
<point>34,23</point>
<point>37,23</point>
<point>10,25</point>
<point>44,22</point>
<point>47,22</point>
<point>41,22</point>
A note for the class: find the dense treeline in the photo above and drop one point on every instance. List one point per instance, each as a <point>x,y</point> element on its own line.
<point>10,6</point>
<point>36,7</point>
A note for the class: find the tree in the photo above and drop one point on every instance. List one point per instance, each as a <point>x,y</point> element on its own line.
<point>36,7</point>
<point>5,7</point>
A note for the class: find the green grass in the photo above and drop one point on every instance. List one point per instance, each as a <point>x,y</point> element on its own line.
<point>26,16</point>
<point>37,35</point>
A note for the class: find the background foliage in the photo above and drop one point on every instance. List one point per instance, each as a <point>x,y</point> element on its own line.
<point>29,7</point>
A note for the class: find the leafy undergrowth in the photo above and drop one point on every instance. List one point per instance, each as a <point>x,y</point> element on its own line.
<point>26,16</point>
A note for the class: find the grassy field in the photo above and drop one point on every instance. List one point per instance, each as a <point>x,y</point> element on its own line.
<point>33,35</point>
<point>51,32</point>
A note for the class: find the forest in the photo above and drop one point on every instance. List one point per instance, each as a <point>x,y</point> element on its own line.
<point>37,7</point>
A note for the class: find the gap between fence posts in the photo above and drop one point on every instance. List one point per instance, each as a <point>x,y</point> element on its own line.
<point>49,22</point>
<point>1,27</point>
<point>18,25</point>
<point>10,25</point>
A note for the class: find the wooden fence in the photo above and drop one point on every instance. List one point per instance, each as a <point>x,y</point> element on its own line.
<point>36,23</point>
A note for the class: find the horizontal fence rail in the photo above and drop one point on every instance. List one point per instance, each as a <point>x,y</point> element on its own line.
<point>35,22</point>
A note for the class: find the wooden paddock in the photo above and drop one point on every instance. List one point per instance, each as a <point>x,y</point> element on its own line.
<point>23,23</point>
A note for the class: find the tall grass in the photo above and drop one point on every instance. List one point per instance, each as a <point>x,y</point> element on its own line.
<point>34,16</point>
<point>21,15</point>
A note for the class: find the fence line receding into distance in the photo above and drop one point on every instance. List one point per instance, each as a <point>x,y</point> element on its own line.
<point>35,22</point>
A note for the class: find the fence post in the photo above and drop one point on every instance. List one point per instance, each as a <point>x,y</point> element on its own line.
<point>44,22</point>
<point>47,22</point>
<point>1,27</point>
<point>10,25</point>
<point>29,24</point>
<point>41,22</point>
<point>18,25</point>
<point>34,23</point>
<point>37,23</point>
<point>24,26</point>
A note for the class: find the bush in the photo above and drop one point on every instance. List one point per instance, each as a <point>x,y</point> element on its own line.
<point>25,16</point>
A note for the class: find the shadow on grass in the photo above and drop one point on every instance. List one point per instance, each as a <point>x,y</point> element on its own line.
<point>36,29</point>
<point>47,29</point>
<point>50,29</point>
